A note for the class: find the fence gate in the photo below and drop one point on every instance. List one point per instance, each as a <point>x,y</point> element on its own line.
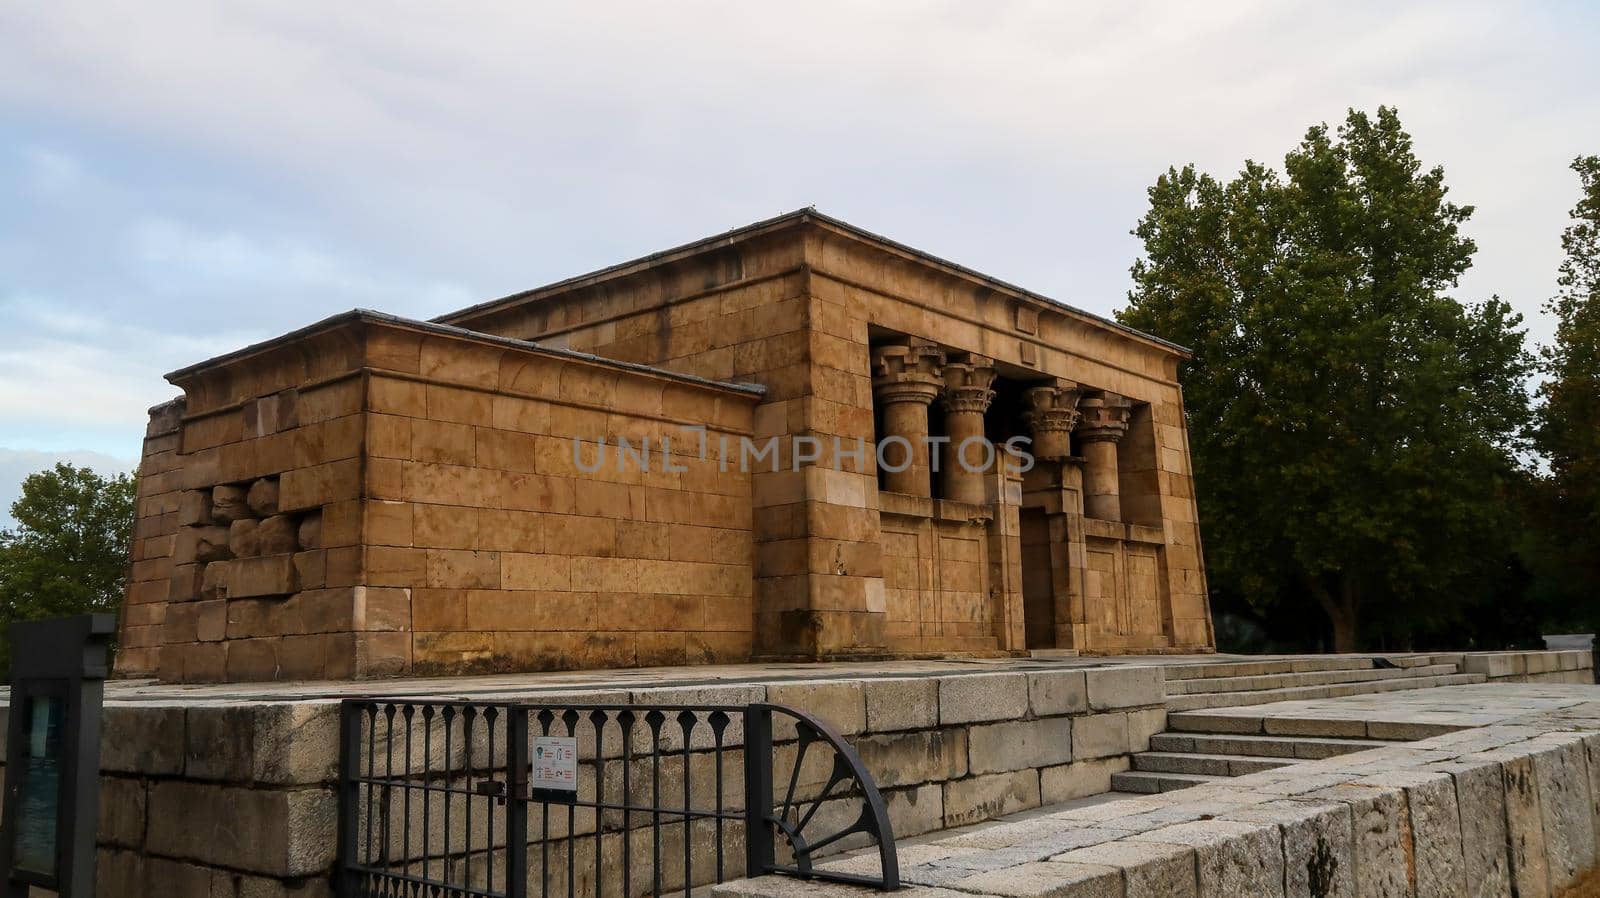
<point>510,800</point>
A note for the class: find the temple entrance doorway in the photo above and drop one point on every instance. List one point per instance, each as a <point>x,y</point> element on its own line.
<point>1038,590</point>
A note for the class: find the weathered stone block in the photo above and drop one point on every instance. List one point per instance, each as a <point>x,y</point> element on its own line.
<point>1142,725</point>
<point>1057,692</point>
<point>142,738</point>
<point>986,797</point>
<point>244,538</point>
<point>194,508</point>
<point>201,544</point>
<point>122,811</point>
<point>910,704</point>
<point>904,759</point>
<point>1149,870</point>
<point>229,503</point>
<point>271,831</point>
<point>1019,744</point>
<point>1232,858</point>
<point>1100,735</point>
<point>263,743</point>
<point>1079,779</point>
<point>1382,828</point>
<point>266,575</point>
<point>701,737</point>
<point>1480,795</point>
<point>913,812</point>
<point>184,584</point>
<point>1318,845</point>
<point>839,704</point>
<point>1530,871</point>
<point>1046,880</point>
<point>214,580</point>
<point>1436,837</point>
<point>1566,809</point>
<point>982,697</point>
<point>263,497</point>
<point>311,568</point>
<point>1125,687</point>
<point>278,534</point>
<point>309,534</point>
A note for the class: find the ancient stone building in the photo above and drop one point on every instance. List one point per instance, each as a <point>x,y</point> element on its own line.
<point>674,460</point>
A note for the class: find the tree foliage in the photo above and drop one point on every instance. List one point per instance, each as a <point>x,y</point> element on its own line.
<point>69,551</point>
<point>1353,427</point>
<point>1568,426</point>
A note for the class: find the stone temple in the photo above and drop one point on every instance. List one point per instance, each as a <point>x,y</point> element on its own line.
<point>789,441</point>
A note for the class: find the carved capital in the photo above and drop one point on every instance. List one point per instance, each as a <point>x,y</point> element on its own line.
<point>968,384</point>
<point>1103,417</point>
<point>1051,411</point>
<point>907,372</point>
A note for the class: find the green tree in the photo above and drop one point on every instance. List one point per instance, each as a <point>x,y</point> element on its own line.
<point>69,551</point>
<point>1568,425</point>
<point>1353,427</point>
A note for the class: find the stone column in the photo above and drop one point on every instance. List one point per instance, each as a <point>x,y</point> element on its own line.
<point>1102,422</point>
<point>1051,411</point>
<point>967,393</point>
<point>905,379</point>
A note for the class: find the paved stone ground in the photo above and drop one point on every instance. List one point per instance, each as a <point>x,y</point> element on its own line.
<point>1413,714</point>
<point>1507,803</point>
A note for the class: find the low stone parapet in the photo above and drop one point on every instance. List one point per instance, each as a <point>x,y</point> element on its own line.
<point>207,796</point>
<point>1564,666</point>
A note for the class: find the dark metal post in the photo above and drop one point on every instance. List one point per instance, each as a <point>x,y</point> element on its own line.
<point>349,881</point>
<point>52,793</point>
<point>758,847</point>
<point>517,804</point>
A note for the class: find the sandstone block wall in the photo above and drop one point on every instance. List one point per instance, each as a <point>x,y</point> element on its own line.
<point>795,305</point>
<point>516,556</point>
<point>374,498</point>
<point>144,606</point>
<point>370,496</point>
<point>262,508</point>
<point>750,314</point>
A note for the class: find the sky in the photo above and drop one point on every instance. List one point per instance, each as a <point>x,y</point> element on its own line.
<point>182,179</point>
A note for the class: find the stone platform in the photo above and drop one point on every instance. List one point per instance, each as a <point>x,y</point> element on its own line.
<point>229,790</point>
<point>1504,800</point>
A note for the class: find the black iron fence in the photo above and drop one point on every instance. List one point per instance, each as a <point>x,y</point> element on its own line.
<point>509,800</point>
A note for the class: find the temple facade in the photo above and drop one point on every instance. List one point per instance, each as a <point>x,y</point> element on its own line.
<point>796,440</point>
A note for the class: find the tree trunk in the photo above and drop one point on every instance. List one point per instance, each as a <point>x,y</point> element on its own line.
<point>1343,611</point>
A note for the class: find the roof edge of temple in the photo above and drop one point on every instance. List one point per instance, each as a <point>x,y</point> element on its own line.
<point>449,330</point>
<point>809,214</point>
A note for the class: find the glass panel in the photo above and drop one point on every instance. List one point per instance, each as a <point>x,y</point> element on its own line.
<point>39,802</point>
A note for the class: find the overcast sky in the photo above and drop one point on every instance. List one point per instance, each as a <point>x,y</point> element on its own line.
<point>181,179</point>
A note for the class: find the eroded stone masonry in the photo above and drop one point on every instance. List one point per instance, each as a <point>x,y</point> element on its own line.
<point>373,496</point>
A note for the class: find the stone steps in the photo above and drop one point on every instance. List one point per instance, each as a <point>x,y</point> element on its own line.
<point>1205,764</point>
<point>1151,783</point>
<point>1205,743</point>
<point>1288,747</point>
<point>1260,683</point>
<point>1226,669</point>
<point>1205,700</point>
<point>1224,722</point>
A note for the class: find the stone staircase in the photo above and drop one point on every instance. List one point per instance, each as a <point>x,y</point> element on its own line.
<point>1178,760</point>
<point>1195,687</point>
<point>1201,748</point>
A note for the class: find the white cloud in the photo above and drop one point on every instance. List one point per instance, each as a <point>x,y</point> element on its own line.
<point>16,464</point>
<point>199,175</point>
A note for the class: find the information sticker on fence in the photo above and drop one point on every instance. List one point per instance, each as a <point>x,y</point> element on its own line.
<point>555,768</point>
